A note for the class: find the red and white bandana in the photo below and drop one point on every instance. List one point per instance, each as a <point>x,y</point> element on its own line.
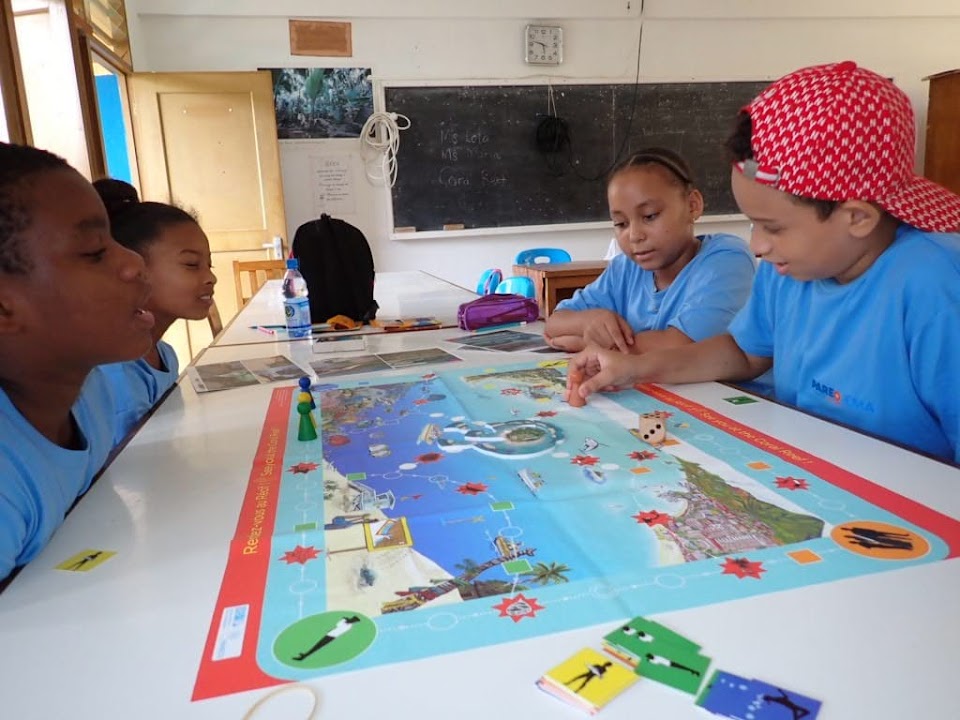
<point>841,132</point>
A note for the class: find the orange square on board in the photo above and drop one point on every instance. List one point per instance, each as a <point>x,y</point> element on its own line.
<point>670,441</point>
<point>804,557</point>
<point>640,470</point>
<point>758,465</point>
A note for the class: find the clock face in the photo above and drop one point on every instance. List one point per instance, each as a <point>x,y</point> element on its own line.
<point>544,45</point>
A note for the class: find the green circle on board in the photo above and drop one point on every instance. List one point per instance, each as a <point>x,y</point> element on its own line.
<point>326,639</point>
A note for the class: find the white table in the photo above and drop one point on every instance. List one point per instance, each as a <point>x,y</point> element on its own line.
<point>404,294</point>
<point>124,641</point>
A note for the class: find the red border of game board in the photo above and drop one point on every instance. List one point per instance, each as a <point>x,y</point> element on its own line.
<point>244,578</point>
<point>943,526</point>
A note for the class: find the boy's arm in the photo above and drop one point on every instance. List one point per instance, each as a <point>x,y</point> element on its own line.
<point>572,330</point>
<point>719,358</point>
<point>650,340</point>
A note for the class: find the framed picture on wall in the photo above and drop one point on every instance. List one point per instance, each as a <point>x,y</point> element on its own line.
<point>321,102</point>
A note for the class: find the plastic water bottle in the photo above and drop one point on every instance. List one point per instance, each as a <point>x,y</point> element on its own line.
<point>296,304</point>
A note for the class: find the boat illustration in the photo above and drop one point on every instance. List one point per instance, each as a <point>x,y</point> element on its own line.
<point>531,479</point>
<point>429,434</point>
<point>594,475</point>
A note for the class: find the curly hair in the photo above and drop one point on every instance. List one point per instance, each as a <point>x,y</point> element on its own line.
<point>136,224</point>
<point>18,166</point>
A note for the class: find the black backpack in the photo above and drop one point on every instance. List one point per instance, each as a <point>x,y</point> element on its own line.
<point>336,262</point>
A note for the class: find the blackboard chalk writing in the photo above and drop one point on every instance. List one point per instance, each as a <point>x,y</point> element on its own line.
<point>449,177</point>
<point>475,146</point>
<point>492,178</point>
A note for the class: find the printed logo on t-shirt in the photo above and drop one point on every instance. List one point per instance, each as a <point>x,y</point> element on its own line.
<point>841,398</point>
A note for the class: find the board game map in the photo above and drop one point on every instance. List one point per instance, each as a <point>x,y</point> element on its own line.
<point>468,507</point>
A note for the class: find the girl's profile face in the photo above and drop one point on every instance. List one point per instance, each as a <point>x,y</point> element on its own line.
<point>180,272</point>
<point>653,216</point>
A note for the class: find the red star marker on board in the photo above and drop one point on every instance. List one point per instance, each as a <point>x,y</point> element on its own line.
<point>584,460</point>
<point>546,413</point>
<point>519,607</point>
<point>472,488</point>
<point>641,455</point>
<point>743,568</point>
<point>652,517</point>
<point>303,468</point>
<point>792,483</point>
<point>300,555</point>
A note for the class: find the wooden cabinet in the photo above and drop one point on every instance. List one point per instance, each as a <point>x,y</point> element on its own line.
<point>942,155</point>
<point>558,281</point>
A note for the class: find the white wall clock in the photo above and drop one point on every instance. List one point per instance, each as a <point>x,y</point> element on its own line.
<point>544,45</point>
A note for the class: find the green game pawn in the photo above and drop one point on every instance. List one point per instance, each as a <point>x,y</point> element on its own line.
<point>307,429</point>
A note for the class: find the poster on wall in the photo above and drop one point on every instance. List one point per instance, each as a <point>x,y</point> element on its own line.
<point>321,102</point>
<point>332,185</point>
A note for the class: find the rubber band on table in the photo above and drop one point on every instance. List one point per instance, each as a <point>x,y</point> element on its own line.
<point>282,690</point>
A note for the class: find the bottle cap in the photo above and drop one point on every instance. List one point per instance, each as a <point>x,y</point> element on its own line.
<point>293,264</point>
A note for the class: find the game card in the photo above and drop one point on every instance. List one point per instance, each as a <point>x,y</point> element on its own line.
<point>348,366</point>
<point>502,340</point>
<point>677,667</point>
<point>415,358</point>
<point>740,698</point>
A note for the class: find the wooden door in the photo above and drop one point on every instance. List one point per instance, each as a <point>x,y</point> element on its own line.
<point>208,142</point>
<point>942,158</point>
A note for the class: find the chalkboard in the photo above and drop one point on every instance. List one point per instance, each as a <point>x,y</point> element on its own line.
<point>470,156</point>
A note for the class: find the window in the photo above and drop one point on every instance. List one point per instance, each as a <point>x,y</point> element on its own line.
<point>106,22</point>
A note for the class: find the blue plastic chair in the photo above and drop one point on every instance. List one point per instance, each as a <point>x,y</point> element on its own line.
<point>535,256</point>
<point>489,279</point>
<point>517,285</point>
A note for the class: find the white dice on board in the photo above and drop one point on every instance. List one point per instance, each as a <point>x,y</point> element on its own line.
<point>653,428</point>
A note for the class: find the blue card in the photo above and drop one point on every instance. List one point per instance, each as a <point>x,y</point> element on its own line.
<point>743,699</point>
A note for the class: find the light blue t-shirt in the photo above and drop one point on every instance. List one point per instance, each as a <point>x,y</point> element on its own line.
<point>39,480</point>
<point>146,386</point>
<point>700,302</point>
<point>881,353</point>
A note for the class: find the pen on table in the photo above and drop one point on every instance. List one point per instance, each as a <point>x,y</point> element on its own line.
<point>493,328</point>
<point>266,330</point>
<point>268,327</point>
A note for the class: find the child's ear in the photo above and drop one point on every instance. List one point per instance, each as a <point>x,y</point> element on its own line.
<point>9,318</point>
<point>695,200</point>
<point>861,217</point>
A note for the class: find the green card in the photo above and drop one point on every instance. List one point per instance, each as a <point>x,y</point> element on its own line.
<point>639,636</point>
<point>741,400</point>
<point>677,667</point>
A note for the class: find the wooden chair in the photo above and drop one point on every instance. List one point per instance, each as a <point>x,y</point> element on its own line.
<point>213,317</point>
<point>257,272</point>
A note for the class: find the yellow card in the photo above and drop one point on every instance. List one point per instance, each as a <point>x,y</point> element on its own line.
<point>593,677</point>
<point>85,560</point>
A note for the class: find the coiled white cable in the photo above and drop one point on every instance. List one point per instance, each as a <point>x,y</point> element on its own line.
<point>379,142</point>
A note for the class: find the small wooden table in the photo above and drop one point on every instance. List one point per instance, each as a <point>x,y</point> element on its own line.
<point>558,281</point>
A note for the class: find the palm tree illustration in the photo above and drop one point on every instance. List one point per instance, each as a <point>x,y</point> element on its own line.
<point>469,570</point>
<point>548,574</point>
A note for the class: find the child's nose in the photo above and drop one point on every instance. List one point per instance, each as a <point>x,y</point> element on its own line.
<point>759,244</point>
<point>131,265</point>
